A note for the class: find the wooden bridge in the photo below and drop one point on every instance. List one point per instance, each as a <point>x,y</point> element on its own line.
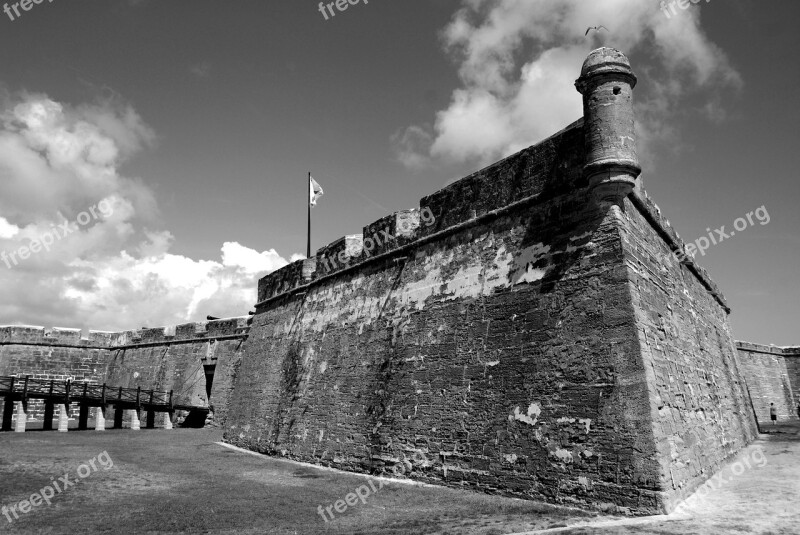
<point>19,390</point>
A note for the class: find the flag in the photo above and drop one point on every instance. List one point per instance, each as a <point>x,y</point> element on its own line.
<point>314,191</point>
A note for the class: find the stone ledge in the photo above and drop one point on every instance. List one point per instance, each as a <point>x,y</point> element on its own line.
<point>652,213</point>
<point>61,337</point>
<point>783,351</point>
<point>545,170</point>
<point>54,337</point>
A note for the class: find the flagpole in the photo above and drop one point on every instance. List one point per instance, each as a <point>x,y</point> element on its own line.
<point>308,201</point>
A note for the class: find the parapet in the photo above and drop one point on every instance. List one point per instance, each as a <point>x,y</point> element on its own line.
<point>642,201</point>
<point>786,351</point>
<point>210,330</point>
<point>595,154</point>
<point>550,168</point>
<point>338,255</point>
<point>61,337</point>
<point>282,280</point>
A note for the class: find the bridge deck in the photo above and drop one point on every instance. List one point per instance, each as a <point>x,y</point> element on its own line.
<point>88,394</point>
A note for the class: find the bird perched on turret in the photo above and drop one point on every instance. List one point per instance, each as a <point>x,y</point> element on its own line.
<point>596,28</point>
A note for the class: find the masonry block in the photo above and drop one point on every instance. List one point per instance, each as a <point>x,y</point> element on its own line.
<point>339,255</point>
<point>281,281</point>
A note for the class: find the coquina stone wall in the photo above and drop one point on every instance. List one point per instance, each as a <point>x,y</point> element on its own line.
<point>528,333</point>
<point>534,329</point>
<point>773,376</point>
<point>172,358</point>
<point>700,413</point>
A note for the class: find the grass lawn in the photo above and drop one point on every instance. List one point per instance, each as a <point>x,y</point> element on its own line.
<point>181,481</point>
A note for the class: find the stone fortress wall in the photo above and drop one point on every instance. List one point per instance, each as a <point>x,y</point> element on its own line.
<point>526,331</point>
<point>180,358</point>
<point>538,340</point>
<point>773,376</point>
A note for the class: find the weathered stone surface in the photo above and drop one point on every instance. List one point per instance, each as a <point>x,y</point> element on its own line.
<point>700,412</point>
<point>773,376</point>
<point>171,358</point>
<point>536,340</point>
<point>488,358</point>
<point>521,355</point>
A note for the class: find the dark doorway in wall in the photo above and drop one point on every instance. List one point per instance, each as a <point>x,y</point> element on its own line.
<point>209,369</point>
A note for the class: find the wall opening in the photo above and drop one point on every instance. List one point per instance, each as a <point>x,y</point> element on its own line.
<point>209,371</point>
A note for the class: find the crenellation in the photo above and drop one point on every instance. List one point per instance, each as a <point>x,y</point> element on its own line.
<point>185,331</point>
<point>201,328</point>
<point>281,281</point>
<point>48,336</point>
<point>391,232</point>
<point>128,358</point>
<point>229,326</point>
<point>642,201</point>
<point>769,349</point>
<point>339,255</point>
<point>544,170</point>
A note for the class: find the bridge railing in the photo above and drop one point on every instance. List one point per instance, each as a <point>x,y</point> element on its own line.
<point>26,387</point>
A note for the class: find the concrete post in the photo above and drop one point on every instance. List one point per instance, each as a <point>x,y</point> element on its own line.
<point>135,423</point>
<point>63,419</point>
<point>8,414</point>
<point>49,411</point>
<point>99,419</point>
<point>22,417</point>
<point>167,420</point>
<point>83,417</point>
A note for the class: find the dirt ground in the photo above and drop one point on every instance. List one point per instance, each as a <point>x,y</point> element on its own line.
<point>184,481</point>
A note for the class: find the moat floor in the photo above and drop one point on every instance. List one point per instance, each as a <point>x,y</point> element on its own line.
<point>183,481</point>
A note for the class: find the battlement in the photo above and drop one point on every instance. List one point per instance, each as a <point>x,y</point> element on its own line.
<point>55,336</point>
<point>537,174</point>
<point>61,337</point>
<point>650,210</point>
<point>785,351</point>
<point>210,330</point>
<point>550,168</point>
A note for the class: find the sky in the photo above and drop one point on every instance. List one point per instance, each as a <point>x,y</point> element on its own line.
<point>164,145</point>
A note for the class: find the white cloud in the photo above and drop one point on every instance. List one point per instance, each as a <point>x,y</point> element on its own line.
<point>518,60</point>
<point>7,230</point>
<point>108,271</point>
